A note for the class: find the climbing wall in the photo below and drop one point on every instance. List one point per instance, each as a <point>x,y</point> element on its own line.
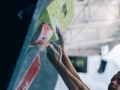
<point>47,77</point>
<point>33,70</point>
<point>58,13</point>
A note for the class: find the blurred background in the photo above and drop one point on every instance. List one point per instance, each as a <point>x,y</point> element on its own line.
<point>94,34</point>
<point>92,42</point>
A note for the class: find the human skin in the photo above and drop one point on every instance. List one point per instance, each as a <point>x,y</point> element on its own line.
<point>59,59</point>
<point>115,82</point>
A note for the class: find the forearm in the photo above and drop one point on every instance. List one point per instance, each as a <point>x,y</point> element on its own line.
<point>70,80</point>
<point>69,66</point>
<point>66,61</point>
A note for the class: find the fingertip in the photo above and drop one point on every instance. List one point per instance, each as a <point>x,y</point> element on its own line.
<point>50,45</point>
<point>58,31</point>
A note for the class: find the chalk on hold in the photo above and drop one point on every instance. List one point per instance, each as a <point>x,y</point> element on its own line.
<point>42,35</point>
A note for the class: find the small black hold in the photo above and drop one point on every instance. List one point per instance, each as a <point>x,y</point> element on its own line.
<point>43,38</point>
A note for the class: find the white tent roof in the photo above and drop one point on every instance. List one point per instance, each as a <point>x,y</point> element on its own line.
<point>96,23</point>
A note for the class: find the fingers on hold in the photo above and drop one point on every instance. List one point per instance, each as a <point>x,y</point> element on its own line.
<point>55,50</point>
<point>57,47</point>
<point>49,50</point>
<point>52,48</point>
<point>59,32</point>
<point>54,44</point>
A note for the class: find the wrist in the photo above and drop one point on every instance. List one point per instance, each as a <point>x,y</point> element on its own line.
<point>63,51</point>
<point>64,58</point>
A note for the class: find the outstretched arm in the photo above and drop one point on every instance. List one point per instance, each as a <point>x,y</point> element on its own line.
<point>55,56</point>
<point>69,66</point>
<point>65,59</point>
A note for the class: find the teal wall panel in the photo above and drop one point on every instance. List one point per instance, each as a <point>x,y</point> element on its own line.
<point>47,76</point>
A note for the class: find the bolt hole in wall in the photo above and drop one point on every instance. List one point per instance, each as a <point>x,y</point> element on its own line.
<point>43,37</point>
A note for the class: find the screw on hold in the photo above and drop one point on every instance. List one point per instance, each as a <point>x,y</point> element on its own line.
<point>38,66</point>
<point>23,85</point>
<point>43,37</point>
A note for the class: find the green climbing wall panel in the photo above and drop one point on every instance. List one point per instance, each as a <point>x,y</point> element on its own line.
<point>58,13</point>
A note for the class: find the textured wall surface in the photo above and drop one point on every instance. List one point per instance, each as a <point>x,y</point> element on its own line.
<point>18,38</point>
<point>47,76</point>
